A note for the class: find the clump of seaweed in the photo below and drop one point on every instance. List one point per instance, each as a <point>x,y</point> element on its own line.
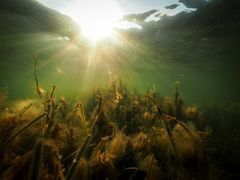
<point>150,166</point>
<point>116,135</point>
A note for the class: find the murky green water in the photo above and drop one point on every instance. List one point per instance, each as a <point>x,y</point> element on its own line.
<point>207,69</point>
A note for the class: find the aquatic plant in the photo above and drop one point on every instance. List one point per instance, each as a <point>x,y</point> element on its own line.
<point>150,166</point>
<point>77,157</point>
<point>36,165</point>
<point>123,136</point>
<point>7,141</point>
<point>39,90</point>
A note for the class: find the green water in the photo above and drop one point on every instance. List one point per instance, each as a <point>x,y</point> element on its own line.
<point>207,70</point>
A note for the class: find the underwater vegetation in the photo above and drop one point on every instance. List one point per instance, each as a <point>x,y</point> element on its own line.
<point>115,134</point>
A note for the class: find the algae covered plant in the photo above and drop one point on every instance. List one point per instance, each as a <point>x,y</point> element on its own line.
<point>115,135</point>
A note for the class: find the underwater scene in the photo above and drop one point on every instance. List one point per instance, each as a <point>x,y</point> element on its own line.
<point>119,90</point>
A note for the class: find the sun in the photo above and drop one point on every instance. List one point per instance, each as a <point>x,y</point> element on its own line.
<point>96,18</point>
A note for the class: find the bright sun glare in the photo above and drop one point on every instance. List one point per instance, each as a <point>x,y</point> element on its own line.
<point>96,18</point>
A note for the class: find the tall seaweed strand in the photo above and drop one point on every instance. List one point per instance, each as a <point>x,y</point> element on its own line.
<point>166,126</point>
<point>38,89</point>
<point>36,165</point>
<point>77,157</point>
